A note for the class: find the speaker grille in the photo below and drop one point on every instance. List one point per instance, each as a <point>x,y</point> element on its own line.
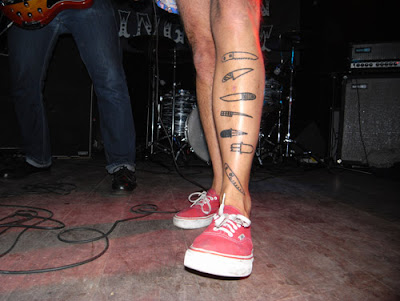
<point>371,120</point>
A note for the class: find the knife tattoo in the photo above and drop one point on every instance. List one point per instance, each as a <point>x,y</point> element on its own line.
<point>238,55</point>
<point>231,113</point>
<point>231,133</point>
<point>238,97</point>
<point>233,178</point>
<point>236,73</point>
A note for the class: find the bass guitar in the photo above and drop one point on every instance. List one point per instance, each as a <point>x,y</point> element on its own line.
<point>32,14</point>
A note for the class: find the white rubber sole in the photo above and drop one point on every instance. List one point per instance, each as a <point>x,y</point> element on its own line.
<point>218,265</point>
<point>192,224</point>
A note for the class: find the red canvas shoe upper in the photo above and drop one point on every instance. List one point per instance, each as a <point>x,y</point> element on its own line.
<point>228,235</point>
<point>206,204</point>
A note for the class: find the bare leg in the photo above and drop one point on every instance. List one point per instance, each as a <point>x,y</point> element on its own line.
<point>196,18</point>
<point>231,157</point>
<point>238,87</point>
<point>225,247</point>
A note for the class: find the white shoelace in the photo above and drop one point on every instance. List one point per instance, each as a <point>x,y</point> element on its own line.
<point>229,223</point>
<point>202,200</point>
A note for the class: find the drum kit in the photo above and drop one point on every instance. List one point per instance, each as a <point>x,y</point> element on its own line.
<point>275,136</point>
<point>173,121</point>
<point>174,125</point>
<point>180,120</point>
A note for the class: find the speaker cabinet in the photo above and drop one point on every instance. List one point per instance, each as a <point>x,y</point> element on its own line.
<point>370,120</point>
<point>67,97</point>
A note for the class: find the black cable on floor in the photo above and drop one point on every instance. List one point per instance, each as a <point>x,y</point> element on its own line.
<point>25,214</point>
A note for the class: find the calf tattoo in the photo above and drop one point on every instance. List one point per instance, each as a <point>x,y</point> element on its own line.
<point>231,113</point>
<point>238,55</point>
<point>242,148</point>
<point>231,133</point>
<point>244,96</point>
<point>236,73</point>
<point>233,178</point>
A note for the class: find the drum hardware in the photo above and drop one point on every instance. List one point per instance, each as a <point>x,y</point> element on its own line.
<point>178,122</point>
<point>269,138</point>
<point>154,106</point>
<point>277,148</point>
<point>189,135</point>
<point>195,136</point>
<point>168,125</point>
<point>173,122</point>
<point>151,45</point>
<point>295,38</point>
<point>287,139</point>
<point>173,93</point>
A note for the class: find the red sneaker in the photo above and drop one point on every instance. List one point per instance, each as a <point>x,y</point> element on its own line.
<point>225,248</point>
<point>200,213</point>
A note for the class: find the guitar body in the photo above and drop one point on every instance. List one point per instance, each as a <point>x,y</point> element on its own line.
<point>32,14</point>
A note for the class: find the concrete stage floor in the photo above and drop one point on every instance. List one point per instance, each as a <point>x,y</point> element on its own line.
<point>318,234</point>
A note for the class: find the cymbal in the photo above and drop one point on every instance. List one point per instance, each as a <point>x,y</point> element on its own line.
<point>294,35</point>
<point>300,39</point>
<point>287,40</point>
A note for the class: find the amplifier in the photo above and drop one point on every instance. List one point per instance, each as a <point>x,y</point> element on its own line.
<point>375,65</point>
<point>369,131</point>
<point>67,99</point>
<point>375,52</point>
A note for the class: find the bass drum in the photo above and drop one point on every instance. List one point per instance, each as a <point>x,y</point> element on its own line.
<point>195,135</point>
<point>184,104</point>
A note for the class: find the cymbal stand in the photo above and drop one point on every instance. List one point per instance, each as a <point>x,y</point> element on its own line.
<point>266,138</point>
<point>155,100</point>
<point>151,108</point>
<point>278,139</point>
<point>287,139</point>
<point>172,137</point>
<point>277,151</point>
<point>173,94</point>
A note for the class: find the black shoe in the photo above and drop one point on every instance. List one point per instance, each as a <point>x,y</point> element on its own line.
<point>21,171</point>
<point>123,180</point>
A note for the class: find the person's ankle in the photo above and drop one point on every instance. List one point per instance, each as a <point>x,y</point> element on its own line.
<point>244,207</point>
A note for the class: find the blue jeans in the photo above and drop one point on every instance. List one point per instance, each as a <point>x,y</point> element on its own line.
<point>95,33</point>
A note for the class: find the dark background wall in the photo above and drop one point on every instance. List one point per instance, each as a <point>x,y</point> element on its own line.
<point>322,31</point>
<point>329,27</point>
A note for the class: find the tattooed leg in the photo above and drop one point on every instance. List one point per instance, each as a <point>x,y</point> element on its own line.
<point>237,93</point>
